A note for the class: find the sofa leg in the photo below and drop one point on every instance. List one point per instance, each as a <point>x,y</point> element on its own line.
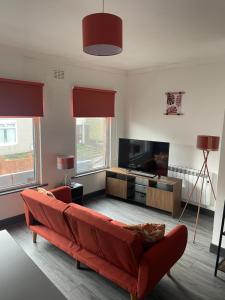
<point>34,237</point>
<point>78,265</point>
<point>169,273</point>
<point>133,297</point>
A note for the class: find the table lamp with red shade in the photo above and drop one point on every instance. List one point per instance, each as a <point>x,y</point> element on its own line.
<point>65,162</point>
<point>206,143</point>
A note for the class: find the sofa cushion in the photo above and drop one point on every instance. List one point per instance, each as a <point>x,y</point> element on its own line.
<point>120,247</point>
<point>98,234</point>
<point>56,239</point>
<point>108,270</point>
<point>47,211</point>
<point>82,221</point>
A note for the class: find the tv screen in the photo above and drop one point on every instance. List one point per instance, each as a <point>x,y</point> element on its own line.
<point>144,156</point>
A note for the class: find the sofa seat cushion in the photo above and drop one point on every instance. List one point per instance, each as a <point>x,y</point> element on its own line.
<point>47,211</point>
<point>108,270</point>
<point>56,239</point>
<point>97,234</point>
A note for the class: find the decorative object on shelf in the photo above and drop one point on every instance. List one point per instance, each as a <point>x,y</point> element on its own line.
<point>65,162</point>
<point>102,34</point>
<point>206,143</point>
<point>174,101</point>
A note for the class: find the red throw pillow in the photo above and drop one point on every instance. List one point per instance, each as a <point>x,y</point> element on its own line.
<point>151,233</point>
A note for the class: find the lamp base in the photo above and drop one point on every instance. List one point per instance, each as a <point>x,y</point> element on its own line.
<point>67,180</point>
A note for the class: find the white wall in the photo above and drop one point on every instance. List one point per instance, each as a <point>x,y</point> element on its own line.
<point>57,125</point>
<point>203,108</point>
<point>220,193</point>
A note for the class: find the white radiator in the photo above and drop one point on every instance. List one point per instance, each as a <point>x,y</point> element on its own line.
<point>189,177</point>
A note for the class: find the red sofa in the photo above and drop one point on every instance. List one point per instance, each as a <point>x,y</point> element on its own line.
<point>102,243</point>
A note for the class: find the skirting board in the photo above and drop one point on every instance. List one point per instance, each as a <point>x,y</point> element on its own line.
<point>203,210</point>
<point>13,220</point>
<point>94,194</point>
<point>213,248</point>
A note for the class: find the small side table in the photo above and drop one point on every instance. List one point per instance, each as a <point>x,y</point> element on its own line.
<point>77,192</point>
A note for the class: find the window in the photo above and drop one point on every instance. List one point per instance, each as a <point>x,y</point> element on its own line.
<point>17,152</point>
<point>92,141</point>
<point>8,130</point>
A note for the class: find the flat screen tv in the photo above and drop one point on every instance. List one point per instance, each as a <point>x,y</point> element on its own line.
<point>144,156</point>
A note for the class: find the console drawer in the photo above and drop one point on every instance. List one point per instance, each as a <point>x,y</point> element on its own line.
<point>116,187</point>
<point>159,199</point>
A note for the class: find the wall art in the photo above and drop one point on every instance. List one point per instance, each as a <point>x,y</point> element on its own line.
<point>173,103</point>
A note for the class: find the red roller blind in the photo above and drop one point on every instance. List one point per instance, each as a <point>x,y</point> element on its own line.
<point>20,98</point>
<point>88,102</point>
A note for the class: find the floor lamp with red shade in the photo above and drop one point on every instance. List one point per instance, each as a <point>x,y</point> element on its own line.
<point>206,143</point>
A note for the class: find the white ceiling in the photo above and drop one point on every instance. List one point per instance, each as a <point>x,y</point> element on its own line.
<point>156,32</point>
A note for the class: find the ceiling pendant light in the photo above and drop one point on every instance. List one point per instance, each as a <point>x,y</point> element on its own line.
<point>102,34</point>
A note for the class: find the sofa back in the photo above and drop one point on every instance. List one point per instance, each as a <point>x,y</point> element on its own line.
<point>47,211</point>
<point>97,234</point>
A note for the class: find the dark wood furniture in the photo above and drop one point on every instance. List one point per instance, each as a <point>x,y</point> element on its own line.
<point>77,191</point>
<point>163,193</point>
<point>20,278</point>
<point>220,265</point>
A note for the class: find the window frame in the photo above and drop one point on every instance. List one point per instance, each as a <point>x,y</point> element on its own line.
<point>107,153</point>
<point>37,160</point>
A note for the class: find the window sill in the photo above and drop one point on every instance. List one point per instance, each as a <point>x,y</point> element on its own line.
<point>89,173</point>
<point>20,189</point>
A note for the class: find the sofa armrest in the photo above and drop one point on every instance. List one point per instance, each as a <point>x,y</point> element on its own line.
<point>63,193</point>
<point>158,260</point>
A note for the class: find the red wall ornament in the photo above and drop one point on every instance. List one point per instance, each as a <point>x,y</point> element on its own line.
<point>173,103</point>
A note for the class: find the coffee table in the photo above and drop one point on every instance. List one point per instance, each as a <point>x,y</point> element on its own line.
<point>20,278</point>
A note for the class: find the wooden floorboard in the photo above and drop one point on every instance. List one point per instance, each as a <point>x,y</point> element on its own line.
<point>192,277</point>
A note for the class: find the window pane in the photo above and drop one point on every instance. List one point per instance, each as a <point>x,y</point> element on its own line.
<point>8,130</point>
<point>2,139</point>
<point>90,144</point>
<point>11,136</point>
<point>16,152</point>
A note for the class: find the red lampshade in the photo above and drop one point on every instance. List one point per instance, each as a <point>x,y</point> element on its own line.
<point>207,142</point>
<point>102,34</point>
<point>65,162</point>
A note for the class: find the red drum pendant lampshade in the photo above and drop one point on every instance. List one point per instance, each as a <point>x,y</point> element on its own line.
<point>208,143</point>
<point>102,34</point>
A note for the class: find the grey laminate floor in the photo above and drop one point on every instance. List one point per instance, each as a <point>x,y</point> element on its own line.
<point>192,277</point>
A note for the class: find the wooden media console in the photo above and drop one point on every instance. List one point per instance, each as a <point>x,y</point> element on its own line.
<point>163,193</point>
